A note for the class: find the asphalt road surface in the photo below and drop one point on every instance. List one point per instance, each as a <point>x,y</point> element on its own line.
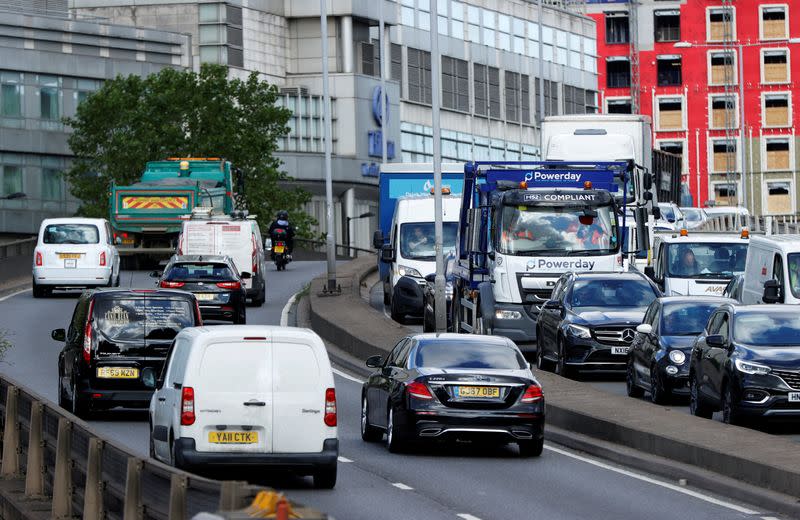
<point>467,481</point>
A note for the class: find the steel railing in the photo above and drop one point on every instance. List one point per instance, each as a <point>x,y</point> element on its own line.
<point>21,247</point>
<point>769,225</point>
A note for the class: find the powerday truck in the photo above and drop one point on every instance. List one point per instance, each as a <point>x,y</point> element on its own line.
<point>523,224</point>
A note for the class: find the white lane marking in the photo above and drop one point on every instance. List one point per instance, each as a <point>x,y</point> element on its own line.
<point>404,487</point>
<point>467,516</point>
<point>346,376</point>
<point>286,309</point>
<point>770,518</point>
<point>343,459</point>
<point>17,293</point>
<point>650,480</point>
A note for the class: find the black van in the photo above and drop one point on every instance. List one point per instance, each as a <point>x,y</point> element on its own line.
<point>113,335</point>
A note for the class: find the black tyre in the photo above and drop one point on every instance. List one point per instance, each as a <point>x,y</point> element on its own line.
<point>427,326</point>
<point>632,387</point>
<point>531,448</point>
<point>730,407</point>
<point>39,291</point>
<point>562,368</point>
<point>63,402</point>
<point>542,363</point>
<point>386,300</point>
<point>658,392</point>
<point>396,314</point>
<point>697,406</point>
<point>80,406</point>
<point>395,438</point>
<point>241,317</point>
<point>325,478</point>
<point>151,443</point>
<point>369,433</point>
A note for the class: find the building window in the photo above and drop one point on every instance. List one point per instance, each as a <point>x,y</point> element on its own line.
<point>306,130</point>
<point>667,26</point>
<point>777,154</point>
<point>618,72</point>
<point>723,68</point>
<point>774,22</point>
<point>517,93</point>
<point>725,194</point>
<point>777,110</point>
<point>617,28</point>
<point>455,84</point>
<point>723,155</point>
<point>370,58</point>
<point>12,179</point>
<point>419,76</point>
<point>669,71</point>
<point>396,72</point>
<point>574,100</point>
<point>551,104</point>
<point>591,101</point>
<point>774,66</point>
<point>487,79</point>
<point>721,24</point>
<point>49,94</point>
<point>10,94</point>
<point>670,113</point>
<point>618,106</point>
<point>52,184</point>
<point>779,198</point>
<point>85,88</point>
<point>723,112</point>
<point>212,13</point>
<point>220,34</point>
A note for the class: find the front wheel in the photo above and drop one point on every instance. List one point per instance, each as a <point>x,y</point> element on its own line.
<point>396,314</point>
<point>632,387</point>
<point>696,405</point>
<point>730,407</point>
<point>658,393</point>
<point>541,362</point>
<point>369,433</point>
<point>531,448</point>
<point>562,368</point>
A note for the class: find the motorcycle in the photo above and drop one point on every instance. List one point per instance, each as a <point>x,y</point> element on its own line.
<point>279,253</point>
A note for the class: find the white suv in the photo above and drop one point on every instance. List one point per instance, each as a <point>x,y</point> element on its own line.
<point>254,396</point>
<point>74,252</point>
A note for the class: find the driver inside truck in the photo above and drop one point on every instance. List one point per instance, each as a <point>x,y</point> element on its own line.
<point>417,239</point>
<point>687,264</point>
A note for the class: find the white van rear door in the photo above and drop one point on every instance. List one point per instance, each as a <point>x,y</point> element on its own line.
<point>199,238</point>
<point>299,398</point>
<point>233,398</point>
<point>236,242</point>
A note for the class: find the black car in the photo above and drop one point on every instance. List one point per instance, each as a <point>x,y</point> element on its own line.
<point>453,387</point>
<point>658,360</point>
<point>429,299</point>
<point>747,364</point>
<point>734,288</point>
<point>114,334</point>
<point>213,280</point>
<point>589,322</point>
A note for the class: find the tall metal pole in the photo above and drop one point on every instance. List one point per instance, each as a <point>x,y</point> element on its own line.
<point>330,238</point>
<point>384,98</point>
<point>742,125</point>
<point>440,302</point>
<point>541,79</point>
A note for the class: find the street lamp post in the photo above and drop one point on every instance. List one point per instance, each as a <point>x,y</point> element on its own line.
<point>347,227</point>
<point>329,238</point>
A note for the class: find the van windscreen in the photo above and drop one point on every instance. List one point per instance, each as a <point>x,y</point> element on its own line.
<point>125,323</point>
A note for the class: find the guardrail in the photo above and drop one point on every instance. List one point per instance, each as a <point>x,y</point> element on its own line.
<point>770,225</point>
<point>57,455</point>
<point>21,247</point>
<point>342,250</point>
<point>16,258</point>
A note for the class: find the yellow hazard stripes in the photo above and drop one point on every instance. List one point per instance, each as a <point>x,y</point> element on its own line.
<point>155,202</point>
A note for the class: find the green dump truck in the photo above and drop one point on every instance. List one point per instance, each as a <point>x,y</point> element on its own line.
<point>146,216</point>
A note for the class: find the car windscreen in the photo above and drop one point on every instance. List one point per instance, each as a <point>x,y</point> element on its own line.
<point>763,329</point>
<point>200,272</point>
<point>612,293</point>
<point>417,240</point>
<point>71,234</point>
<point>706,260</point>
<point>468,354</point>
<point>686,319</point>
<point>667,212</point>
<point>126,323</point>
<point>692,215</point>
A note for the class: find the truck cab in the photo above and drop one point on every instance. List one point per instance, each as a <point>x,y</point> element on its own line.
<point>772,270</point>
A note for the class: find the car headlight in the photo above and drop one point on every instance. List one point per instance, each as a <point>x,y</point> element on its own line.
<point>751,368</point>
<point>508,315</point>
<point>579,332</point>
<point>677,357</point>
<point>404,270</point>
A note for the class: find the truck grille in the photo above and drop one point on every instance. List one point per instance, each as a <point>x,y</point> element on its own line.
<point>536,295</point>
<point>615,336</point>
<point>790,377</point>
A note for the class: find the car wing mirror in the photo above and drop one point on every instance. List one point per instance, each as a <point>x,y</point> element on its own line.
<point>431,278</point>
<point>374,361</point>
<point>149,378</point>
<point>772,292</point>
<point>246,276</point>
<point>715,340</point>
<point>645,328</point>
<point>59,335</point>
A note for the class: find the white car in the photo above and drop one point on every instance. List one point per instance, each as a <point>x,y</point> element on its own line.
<point>74,252</point>
<point>252,396</point>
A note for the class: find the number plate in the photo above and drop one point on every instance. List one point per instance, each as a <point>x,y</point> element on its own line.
<point>71,256</point>
<point>481,392</point>
<point>117,373</point>
<point>231,437</point>
<point>204,296</point>
<point>128,241</point>
<point>279,249</point>
<point>794,397</point>
<point>619,351</point>
<point>70,263</point>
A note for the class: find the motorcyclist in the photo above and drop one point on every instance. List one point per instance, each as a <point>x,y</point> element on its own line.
<point>282,222</point>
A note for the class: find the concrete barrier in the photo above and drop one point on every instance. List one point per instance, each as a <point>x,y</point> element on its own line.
<point>748,456</point>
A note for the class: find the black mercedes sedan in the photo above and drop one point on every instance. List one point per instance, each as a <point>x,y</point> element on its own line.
<point>747,364</point>
<point>450,387</point>
<point>589,322</point>
<point>213,280</point>
<point>658,360</point>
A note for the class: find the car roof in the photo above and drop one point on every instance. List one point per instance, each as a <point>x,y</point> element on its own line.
<point>673,237</point>
<point>770,308</point>
<point>201,258</point>
<point>222,333</point>
<point>673,300</point>
<point>431,337</point>
<point>73,220</point>
<point>787,243</point>
<point>610,275</point>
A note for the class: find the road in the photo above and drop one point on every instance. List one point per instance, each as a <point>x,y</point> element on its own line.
<point>464,481</point>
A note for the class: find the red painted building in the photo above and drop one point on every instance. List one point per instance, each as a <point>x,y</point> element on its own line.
<point>687,53</point>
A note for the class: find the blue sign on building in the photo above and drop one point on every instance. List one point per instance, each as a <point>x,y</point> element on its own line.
<point>375,145</point>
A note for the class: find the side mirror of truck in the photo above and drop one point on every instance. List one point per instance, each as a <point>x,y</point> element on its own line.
<point>377,239</point>
<point>387,254</point>
<point>647,181</point>
<point>656,212</point>
<point>648,195</point>
<point>772,292</point>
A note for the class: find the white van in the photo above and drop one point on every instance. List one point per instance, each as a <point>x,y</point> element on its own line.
<point>254,396</point>
<point>717,258</point>
<point>74,252</point>
<point>238,238</point>
<point>772,272</point>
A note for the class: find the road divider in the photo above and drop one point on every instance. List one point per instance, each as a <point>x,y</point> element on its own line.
<point>766,467</point>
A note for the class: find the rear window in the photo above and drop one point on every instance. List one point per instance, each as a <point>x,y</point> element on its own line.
<point>71,234</point>
<point>612,293</point>
<point>235,367</point>
<point>129,319</point>
<point>468,354</point>
<point>200,272</point>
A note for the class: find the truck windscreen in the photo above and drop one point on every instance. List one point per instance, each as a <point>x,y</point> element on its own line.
<point>417,240</point>
<point>706,260</point>
<point>554,231</point>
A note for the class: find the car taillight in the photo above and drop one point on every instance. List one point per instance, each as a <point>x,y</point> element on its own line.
<point>87,336</point>
<point>38,259</point>
<point>187,406</point>
<point>330,407</point>
<point>198,315</point>
<point>229,285</point>
<point>532,394</point>
<point>171,285</point>
<point>255,255</point>
<point>103,259</point>
<point>418,390</point>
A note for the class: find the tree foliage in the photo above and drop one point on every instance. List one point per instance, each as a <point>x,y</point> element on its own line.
<point>133,119</point>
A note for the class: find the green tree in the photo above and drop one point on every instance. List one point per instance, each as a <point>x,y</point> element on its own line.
<point>132,120</point>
